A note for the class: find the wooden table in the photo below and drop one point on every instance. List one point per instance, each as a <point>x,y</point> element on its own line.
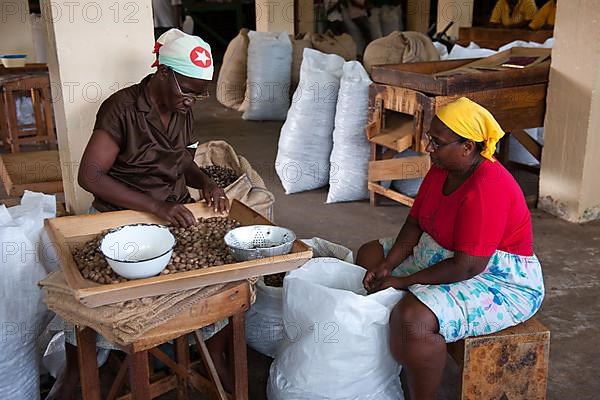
<point>230,302</point>
<point>405,98</point>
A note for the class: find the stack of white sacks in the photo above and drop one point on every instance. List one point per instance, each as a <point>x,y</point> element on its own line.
<point>322,140</point>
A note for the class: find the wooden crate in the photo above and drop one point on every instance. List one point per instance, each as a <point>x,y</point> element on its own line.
<point>37,171</point>
<point>405,98</point>
<point>451,77</point>
<point>494,38</point>
<point>69,232</point>
<point>510,364</point>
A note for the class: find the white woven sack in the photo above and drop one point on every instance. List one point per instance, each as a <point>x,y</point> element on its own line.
<point>269,74</point>
<point>306,141</point>
<point>351,149</point>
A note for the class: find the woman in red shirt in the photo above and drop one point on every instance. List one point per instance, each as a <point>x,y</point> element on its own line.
<point>464,253</point>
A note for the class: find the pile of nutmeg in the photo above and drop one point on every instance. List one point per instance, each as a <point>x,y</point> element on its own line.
<point>198,246</point>
<point>222,176</point>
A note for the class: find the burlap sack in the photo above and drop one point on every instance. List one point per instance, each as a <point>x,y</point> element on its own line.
<point>298,46</point>
<point>249,188</point>
<point>342,45</point>
<point>121,323</point>
<point>231,84</point>
<point>398,48</point>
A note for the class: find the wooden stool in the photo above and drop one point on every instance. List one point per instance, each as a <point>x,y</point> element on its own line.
<point>37,85</point>
<point>230,302</point>
<point>508,365</point>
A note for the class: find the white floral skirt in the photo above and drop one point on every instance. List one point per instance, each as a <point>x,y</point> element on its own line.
<point>509,291</point>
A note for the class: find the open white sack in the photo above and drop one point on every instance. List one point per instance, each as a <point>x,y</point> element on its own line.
<point>264,320</point>
<point>23,316</point>
<point>337,337</point>
<point>306,141</point>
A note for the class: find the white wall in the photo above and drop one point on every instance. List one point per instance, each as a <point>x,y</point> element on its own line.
<point>571,155</point>
<point>95,48</point>
<point>15,29</point>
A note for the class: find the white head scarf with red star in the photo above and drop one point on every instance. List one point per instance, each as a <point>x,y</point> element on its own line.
<point>186,54</point>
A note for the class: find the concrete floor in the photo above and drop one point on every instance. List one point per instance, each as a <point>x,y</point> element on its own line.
<point>569,254</point>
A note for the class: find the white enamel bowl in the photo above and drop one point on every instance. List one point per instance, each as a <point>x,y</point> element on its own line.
<point>139,250</point>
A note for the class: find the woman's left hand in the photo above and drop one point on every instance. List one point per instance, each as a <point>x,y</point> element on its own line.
<point>215,197</point>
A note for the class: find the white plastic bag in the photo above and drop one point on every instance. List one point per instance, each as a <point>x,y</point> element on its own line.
<point>337,336</point>
<point>471,51</point>
<point>351,149</point>
<point>264,320</point>
<point>269,74</point>
<point>306,141</point>
<point>23,316</point>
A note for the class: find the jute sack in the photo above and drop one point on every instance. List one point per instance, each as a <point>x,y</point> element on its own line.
<point>231,84</point>
<point>249,188</point>
<point>125,321</point>
<point>342,45</point>
<point>399,48</point>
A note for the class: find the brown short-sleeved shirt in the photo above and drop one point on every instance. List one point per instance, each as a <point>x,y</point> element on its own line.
<point>151,160</point>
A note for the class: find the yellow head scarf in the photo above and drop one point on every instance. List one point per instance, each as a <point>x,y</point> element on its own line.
<point>472,121</point>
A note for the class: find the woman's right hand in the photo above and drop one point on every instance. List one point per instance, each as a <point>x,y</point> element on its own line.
<point>177,214</point>
<point>375,275</point>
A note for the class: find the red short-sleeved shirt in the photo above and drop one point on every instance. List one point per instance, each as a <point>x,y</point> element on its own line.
<point>486,213</point>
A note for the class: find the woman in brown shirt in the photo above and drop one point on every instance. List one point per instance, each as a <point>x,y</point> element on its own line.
<point>137,156</point>
<point>137,159</point>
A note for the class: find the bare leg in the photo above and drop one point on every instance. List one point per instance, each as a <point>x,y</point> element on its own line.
<point>370,255</point>
<point>65,387</point>
<point>415,343</point>
<point>219,347</point>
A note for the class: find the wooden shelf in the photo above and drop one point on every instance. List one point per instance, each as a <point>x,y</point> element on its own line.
<point>399,133</point>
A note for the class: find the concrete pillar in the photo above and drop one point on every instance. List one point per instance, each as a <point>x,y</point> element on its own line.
<point>306,16</point>
<point>417,15</point>
<point>275,16</point>
<point>461,12</point>
<point>570,166</point>
<point>94,49</point>
<point>15,29</point>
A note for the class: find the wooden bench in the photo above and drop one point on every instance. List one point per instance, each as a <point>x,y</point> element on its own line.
<point>508,365</point>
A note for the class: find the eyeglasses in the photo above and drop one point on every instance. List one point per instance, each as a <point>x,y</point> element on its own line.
<point>436,145</point>
<point>194,97</point>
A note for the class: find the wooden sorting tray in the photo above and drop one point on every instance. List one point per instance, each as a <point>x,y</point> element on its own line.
<point>69,232</point>
<point>38,171</point>
<point>451,77</point>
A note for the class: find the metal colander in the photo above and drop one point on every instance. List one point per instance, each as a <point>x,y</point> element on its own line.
<point>259,241</point>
